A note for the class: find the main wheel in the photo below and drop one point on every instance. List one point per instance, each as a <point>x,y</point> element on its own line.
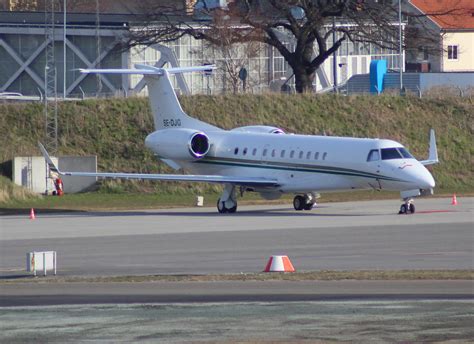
<point>308,206</point>
<point>221,207</point>
<point>233,209</point>
<point>298,202</point>
<point>403,209</point>
<point>412,208</point>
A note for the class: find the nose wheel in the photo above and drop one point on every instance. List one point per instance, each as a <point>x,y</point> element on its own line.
<point>407,208</point>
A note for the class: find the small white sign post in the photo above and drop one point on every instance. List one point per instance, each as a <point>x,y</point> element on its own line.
<point>37,261</point>
<point>199,201</point>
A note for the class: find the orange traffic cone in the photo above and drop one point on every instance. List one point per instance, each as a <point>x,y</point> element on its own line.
<point>32,214</point>
<point>279,264</point>
<point>454,200</point>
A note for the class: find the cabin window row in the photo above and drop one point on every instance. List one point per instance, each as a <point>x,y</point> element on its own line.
<point>292,154</point>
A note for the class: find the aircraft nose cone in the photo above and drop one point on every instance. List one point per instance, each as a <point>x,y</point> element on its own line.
<point>420,177</point>
<point>426,180</point>
<point>430,180</point>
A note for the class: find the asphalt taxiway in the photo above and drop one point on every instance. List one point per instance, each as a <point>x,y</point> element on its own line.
<point>335,236</point>
<point>341,236</point>
<point>28,294</point>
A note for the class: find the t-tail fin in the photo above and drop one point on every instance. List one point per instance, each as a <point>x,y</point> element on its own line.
<point>166,109</point>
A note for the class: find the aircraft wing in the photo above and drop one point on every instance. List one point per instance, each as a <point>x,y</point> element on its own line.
<point>248,181</point>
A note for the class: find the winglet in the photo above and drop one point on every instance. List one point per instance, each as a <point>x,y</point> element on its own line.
<point>52,166</point>
<point>433,151</point>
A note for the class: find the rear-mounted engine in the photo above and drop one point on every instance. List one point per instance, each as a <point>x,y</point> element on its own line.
<point>178,144</point>
<point>199,145</point>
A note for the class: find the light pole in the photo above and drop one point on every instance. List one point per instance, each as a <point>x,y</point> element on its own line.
<point>400,52</point>
<point>64,49</point>
<point>334,55</point>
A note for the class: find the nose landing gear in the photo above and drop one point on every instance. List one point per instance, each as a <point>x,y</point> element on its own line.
<point>305,202</point>
<point>407,207</point>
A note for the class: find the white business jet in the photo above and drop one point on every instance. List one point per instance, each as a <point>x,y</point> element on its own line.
<point>264,159</point>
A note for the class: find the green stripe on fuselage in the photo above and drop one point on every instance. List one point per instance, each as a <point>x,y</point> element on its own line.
<point>293,167</point>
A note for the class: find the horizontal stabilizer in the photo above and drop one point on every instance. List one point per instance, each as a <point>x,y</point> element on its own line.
<point>149,70</point>
<point>248,181</point>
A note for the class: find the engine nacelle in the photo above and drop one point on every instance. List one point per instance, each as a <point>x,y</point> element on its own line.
<point>264,129</point>
<point>178,143</point>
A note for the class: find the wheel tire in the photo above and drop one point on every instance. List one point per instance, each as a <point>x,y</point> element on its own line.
<point>221,207</point>
<point>233,209</point>
<point>412,208</point>
<point>308,206</point>
<point>403,209</point>
<point>298,202</point>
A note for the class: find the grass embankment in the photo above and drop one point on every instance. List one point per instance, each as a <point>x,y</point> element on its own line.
<point>115,130</point>
<point>10,192</point>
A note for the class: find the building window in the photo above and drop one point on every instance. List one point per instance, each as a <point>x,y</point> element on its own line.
<point>453,52</point>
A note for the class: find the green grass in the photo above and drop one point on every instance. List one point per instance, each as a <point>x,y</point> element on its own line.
<point>324,275</point>
<point>115,129</point>
<point>10,192</point>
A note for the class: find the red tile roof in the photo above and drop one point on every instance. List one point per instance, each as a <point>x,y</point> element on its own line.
<point>448,14</point>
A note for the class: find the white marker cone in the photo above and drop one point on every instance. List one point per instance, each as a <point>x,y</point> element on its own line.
<point>279,264</point>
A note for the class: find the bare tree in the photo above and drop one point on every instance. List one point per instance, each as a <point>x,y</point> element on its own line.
<point>234,58</point>
<point>231,56</point>
<point>301,30</point>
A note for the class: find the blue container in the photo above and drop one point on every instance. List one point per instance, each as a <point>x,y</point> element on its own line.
<point>378,69</point>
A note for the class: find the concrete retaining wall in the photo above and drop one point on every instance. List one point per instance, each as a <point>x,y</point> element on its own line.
<point>30,172</point>
<point>78,164</point>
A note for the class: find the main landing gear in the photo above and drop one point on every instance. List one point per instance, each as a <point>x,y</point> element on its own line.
<point>304,202</point>
<point>227,203</point>
<point>407,207</point>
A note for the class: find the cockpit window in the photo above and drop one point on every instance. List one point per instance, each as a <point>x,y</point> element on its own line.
<point>405,153</point>
<point>373,155</point>
<point>390,153</point>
